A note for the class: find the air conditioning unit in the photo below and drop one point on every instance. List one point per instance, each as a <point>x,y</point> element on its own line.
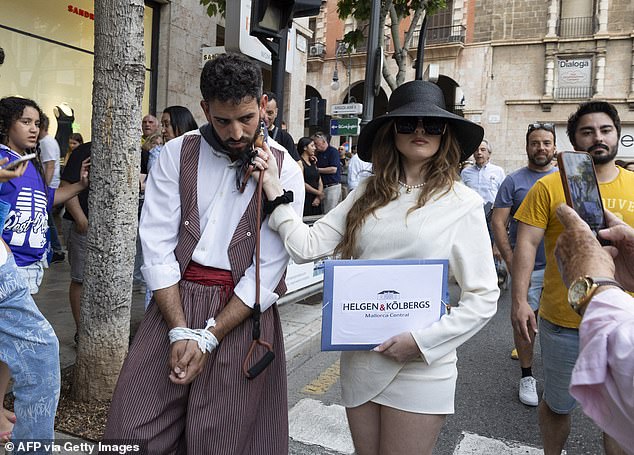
<point>316,50</point>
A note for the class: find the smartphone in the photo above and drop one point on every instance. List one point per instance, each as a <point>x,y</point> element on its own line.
<point>263,135</point>
<point>581,187</point>
<point>260,138</point>
<point>13,164</point>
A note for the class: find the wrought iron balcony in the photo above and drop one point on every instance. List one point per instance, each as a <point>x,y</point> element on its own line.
<point>442,35</point>
<point>362,48</point>
<point>575,27</point>
<point>573,93</point>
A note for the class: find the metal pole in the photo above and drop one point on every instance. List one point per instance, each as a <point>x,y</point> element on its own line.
<point>370,66</point>
<point>349,138</point>
<point>278,68</point>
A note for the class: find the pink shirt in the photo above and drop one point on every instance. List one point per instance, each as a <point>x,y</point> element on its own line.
<point>603,377</point>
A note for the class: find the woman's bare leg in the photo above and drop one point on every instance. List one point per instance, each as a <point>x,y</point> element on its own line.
<point>365,425</point>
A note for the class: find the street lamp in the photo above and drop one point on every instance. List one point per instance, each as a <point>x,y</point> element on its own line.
<point>335,79</point>
<point>342,48</point>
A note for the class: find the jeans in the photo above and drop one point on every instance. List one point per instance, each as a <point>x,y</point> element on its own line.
<point>560,349</point>
<point>29,347</point>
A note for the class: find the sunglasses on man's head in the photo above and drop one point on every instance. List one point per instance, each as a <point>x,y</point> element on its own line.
<point>541,126</point>
<point>431,126</point>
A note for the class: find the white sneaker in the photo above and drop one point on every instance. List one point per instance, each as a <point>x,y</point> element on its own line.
<point>528,391</point>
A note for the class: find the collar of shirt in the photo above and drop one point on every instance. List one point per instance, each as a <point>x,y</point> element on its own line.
<point>6,149</point>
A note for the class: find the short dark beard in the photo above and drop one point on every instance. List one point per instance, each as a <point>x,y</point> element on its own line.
<point>532,160</point>
<point>603,159</point>
<point>243,153</point>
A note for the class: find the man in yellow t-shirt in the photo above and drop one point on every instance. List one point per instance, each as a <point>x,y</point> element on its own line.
<point>594,128</point>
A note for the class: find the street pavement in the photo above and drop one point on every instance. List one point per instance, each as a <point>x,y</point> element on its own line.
<point>489,419</point>
<point>301,324</point>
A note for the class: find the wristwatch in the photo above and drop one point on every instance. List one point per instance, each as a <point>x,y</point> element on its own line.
<point>583,288</point>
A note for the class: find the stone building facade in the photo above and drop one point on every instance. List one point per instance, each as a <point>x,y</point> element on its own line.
<point>186,30</point>
<point>49,46</point>
<point>508,64</point>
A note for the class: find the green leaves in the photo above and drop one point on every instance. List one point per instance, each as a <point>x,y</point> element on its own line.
<point>361,9</point>
<point>215,7</point>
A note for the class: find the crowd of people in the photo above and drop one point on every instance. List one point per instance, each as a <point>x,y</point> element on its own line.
<point>28,345</point>
<point>211,343</point>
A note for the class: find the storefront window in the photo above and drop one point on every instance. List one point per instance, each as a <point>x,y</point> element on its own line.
<point>48,47</point>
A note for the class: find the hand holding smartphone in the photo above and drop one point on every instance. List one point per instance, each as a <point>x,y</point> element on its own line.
<point>582,188</point>
<point>15,163</point>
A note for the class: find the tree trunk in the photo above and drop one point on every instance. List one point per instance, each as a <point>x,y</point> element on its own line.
<point>119,72</point>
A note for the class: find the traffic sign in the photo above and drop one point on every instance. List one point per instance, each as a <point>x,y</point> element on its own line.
<point>349,108</point>
<point>345,126</point>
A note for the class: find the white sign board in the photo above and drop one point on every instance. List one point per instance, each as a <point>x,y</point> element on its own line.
<point>574,72</point>
<point>350,108</point>
<point>238,38</point>
<point>368,301</point>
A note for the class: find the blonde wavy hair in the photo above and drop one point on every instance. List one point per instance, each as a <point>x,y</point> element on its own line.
<point>439,172</point>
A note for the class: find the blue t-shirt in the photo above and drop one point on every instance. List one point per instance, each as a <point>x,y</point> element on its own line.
<point>26,226</point>
<point>511,194</point>
<point>329,158</point>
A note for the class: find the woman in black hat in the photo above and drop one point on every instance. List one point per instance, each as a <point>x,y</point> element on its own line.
<point>397,395</point>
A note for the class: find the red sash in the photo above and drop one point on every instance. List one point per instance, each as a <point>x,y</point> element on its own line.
<point>207,276</point>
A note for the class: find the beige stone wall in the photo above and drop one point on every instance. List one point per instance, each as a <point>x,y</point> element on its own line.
<point>185,28</point>
<point>618,69</point>
<point>505,20</point>
<point>484,19</point>
<point>503,87</point>
<point>621,16</point>
<point>502,72</point>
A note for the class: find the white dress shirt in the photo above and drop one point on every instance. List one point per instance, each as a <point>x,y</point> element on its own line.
<point>221,207</point>
<point>485,180</point>
<point>357,171</point>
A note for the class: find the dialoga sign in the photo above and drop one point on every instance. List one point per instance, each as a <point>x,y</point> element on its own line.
<point>574,63</point>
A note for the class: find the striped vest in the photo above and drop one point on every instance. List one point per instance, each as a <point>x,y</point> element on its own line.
<point>242,246</point>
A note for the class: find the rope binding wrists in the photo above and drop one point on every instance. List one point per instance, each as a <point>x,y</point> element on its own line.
<point>206,340</point>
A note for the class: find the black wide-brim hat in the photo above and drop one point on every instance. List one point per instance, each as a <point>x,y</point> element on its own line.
<point>421,99</point>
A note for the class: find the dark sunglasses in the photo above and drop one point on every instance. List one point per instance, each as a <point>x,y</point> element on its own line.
<point>431,126</point>
<point>541,126</point>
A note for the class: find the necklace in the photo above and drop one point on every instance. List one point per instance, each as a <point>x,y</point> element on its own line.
<point>409,188</point>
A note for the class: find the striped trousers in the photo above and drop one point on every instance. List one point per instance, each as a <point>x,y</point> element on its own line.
<point>220,412</point>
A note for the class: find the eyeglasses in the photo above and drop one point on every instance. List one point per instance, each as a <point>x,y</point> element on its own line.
<point>431,126</point>
<point>541,126</point>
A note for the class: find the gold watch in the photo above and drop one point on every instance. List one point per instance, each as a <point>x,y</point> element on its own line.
<point>583,288</point>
